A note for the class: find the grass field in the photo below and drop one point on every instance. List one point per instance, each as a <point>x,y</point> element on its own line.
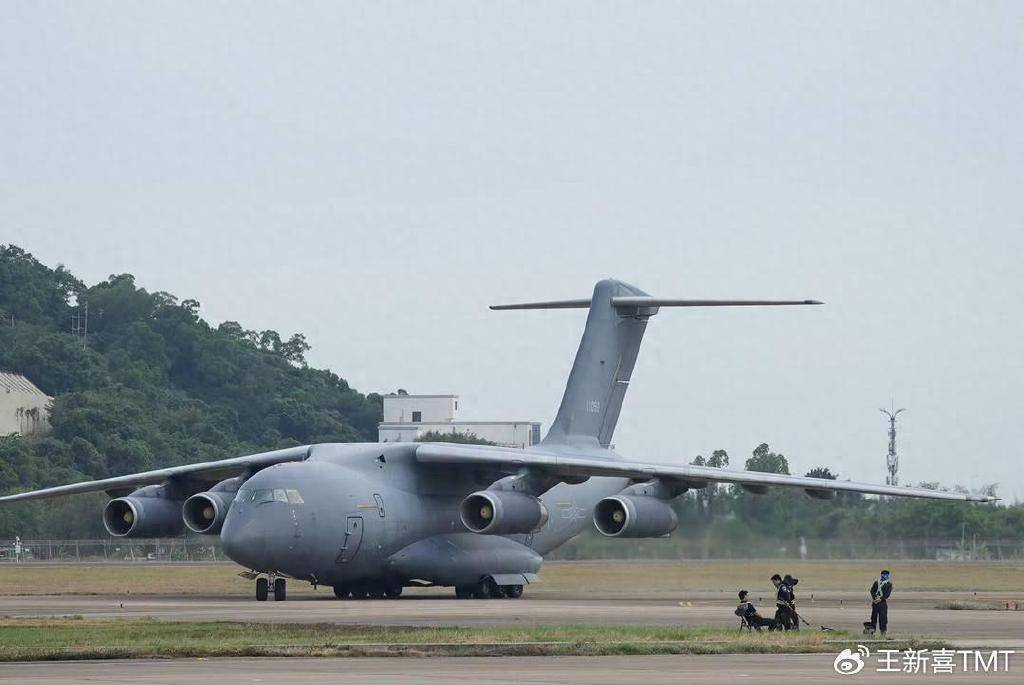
<point>33,639</point>
<point>606,578</point>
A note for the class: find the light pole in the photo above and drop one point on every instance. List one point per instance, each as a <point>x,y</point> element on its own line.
<point>892,460</point>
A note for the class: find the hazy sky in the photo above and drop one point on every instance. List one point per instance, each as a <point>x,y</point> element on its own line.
<point>374,175</point>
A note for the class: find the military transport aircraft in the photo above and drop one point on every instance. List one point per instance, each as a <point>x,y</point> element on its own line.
<point>371,518</point>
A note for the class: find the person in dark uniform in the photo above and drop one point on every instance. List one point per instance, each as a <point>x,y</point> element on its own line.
<point>790,582</point>
<point>880,591</point>
<point>748,611</point>
<point>785,616</point>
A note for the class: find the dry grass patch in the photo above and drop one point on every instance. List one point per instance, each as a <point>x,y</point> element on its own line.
<point>578,578</point>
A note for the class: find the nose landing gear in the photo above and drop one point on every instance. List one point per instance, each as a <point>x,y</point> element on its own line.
<point>263,586</point>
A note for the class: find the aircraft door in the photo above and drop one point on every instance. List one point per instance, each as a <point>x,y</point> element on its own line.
<point>353,536</point>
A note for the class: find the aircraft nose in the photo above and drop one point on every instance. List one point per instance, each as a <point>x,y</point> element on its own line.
<point>241,538</point>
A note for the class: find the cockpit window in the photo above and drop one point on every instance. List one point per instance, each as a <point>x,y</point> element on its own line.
<point>262,496</point>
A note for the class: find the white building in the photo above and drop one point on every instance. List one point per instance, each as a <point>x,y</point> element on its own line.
<point>24,408</point>
<point>408,417</point>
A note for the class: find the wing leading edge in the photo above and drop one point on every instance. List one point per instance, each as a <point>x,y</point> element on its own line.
<point>223,468</point>
<point>696,476</point>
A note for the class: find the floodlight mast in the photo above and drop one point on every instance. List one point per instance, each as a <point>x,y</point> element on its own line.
<point>892,460</point>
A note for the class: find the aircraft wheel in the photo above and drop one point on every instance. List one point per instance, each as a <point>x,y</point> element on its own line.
<point>262,587</point>
<point>393,590</point>
<point>513,591</point>
<point>485,589</point>
<point>376,592</point>
<point>279,590</point>
<point>341,592</point>
<point>463,592</point>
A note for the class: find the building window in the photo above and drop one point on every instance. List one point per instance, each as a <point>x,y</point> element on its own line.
<point>417,416</point>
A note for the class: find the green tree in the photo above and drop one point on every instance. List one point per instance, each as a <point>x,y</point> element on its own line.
<point>462,438</point>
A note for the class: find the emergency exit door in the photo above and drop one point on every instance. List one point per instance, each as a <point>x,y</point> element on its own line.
<point>353,536</point>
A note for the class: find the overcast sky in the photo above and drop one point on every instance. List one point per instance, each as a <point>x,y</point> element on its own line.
<point>374,175</point>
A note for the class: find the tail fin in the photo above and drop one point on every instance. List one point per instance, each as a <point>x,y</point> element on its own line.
<point>606,356</point>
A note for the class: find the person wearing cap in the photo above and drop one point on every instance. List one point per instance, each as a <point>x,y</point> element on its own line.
<point>880,591</point>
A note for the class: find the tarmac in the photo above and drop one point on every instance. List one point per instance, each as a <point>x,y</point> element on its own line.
<point>912,612</point>
<point>790,669</point>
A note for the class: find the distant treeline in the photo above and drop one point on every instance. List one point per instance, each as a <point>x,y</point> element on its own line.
<point>729,522</point>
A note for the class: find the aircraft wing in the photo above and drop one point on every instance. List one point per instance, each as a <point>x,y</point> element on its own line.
<point>209,470</point>
<point>574,467</point>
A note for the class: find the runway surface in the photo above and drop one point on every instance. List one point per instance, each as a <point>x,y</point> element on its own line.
<point>910,613</point>
<point>610,670</point>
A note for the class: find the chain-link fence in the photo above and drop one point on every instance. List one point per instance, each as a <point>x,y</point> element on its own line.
<point>184,549</point>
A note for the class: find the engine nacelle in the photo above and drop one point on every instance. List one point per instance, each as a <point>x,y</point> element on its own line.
<point>148,512</point>
<point>204,512</point>
<point>503,512</point>
<point>632,516</point>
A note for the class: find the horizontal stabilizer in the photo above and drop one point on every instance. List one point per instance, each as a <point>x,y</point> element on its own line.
<point>554,304</point>
<point>626,302</point>
<point>673,302</point>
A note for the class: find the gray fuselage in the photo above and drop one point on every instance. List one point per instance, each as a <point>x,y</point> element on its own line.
<point>366,512</point>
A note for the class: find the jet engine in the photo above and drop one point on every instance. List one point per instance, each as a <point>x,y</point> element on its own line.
<point>204,512</point>
<point>149,512</point>
<point>633,516</point>
<point>502,512</point>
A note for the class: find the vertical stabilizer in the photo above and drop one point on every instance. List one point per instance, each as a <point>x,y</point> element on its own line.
<point>604,363</point>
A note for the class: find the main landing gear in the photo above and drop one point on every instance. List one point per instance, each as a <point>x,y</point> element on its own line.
<point>263,586</point>
<point>485,589</point>
<point>371,590</point>
<point>488,589</point>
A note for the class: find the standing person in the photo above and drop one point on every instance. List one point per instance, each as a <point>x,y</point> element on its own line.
<point>784,615</point>
<point>880,591</point>
<point>790,582</point>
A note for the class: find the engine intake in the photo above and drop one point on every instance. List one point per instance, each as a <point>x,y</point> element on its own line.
<point>502,512</point>
<point>631,516</point>
<point>204,512</point>
<point>145,513</point>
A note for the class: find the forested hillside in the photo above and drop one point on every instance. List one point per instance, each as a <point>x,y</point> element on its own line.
<point>154,385</point>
